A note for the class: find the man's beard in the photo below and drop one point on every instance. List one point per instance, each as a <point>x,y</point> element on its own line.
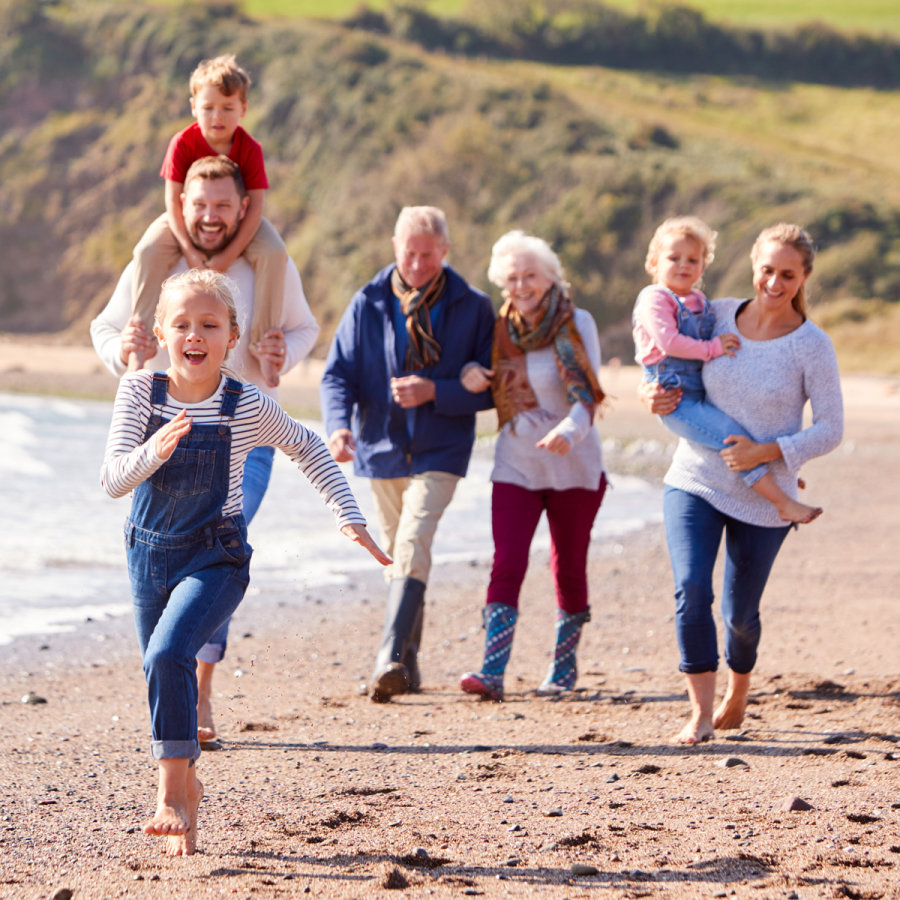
<point>225,237</point>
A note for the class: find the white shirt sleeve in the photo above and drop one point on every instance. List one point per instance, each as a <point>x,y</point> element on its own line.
<point>301,330</point>
<point>106,329</point>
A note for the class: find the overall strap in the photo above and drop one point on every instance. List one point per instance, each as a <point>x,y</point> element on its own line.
<point>681,306</point>
<point>160,388</point>
<point>231,393</point>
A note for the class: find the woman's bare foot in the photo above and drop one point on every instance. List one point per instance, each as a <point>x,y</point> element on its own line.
<point>799,513</point>
<point>185,844</point>
<point>730,712</point>
<point>701,688</point>
<point>697,731</point>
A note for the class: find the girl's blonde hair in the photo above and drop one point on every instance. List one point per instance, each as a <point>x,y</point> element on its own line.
<point>790,236</point>
<point>683,226</point>
<point>203,281</point>
<point>514,242</point>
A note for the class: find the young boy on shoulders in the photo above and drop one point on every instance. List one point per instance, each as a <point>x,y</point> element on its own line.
<point>219,90</point>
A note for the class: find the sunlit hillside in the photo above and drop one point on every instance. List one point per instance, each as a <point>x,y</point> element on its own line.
<point>356,124</point>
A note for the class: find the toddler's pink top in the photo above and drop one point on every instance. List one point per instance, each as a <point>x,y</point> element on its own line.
<point>656,334</point>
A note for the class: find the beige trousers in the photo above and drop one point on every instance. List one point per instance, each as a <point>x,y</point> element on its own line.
<point>409,510</point>
<point>158,251</point>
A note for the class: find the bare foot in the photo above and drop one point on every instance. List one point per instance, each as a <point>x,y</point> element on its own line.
<point>206,729</point>
<point>697,731</point>
<point>135,362</point>
<point>169,819</point>
<point>800,513</point>
<point>185,844</point>
<point>270,371</point>
<point>730,712</point>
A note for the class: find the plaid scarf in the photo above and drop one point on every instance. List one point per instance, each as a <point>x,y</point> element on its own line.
<point>416,303</point>
<point>513,339</point>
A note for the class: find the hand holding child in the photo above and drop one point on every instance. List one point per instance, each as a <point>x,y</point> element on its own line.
<point>743,453</point>
<point>730,343</point>
<point>360,534</point>
<point>171,433</point>
<point>136,339</point>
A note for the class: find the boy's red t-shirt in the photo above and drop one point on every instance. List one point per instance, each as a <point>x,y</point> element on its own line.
<point>189,145</point>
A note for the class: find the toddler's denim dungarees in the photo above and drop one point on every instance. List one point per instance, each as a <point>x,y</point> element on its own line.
<point>189,567</point>
<point>695,418</point>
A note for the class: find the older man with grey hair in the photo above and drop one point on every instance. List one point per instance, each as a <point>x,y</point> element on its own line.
<point>393,403</point>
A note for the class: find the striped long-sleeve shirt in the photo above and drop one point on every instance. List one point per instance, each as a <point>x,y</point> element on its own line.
<point>258,422</point>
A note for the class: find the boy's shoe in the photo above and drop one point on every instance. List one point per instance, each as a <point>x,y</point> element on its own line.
<point>488,686</point>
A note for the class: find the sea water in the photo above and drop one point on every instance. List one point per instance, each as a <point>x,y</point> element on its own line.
<point>62,557</point>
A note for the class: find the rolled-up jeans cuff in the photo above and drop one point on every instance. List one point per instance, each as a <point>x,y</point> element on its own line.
<point>175,749</point>
<point>211,653</point>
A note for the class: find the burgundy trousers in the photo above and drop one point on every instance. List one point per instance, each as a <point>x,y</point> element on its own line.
<point>515,513</point>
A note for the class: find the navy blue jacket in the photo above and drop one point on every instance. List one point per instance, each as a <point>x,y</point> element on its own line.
<point>364,356</point>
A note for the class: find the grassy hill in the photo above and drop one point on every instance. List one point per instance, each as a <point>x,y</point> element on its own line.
<point>356,124</point>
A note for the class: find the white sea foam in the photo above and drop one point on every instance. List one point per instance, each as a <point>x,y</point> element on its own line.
<point>62,554</point>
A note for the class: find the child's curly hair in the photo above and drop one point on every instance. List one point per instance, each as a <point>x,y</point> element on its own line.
<point>684,226</point>
<point>222,72</point>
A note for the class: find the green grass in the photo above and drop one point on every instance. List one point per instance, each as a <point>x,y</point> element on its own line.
<point>863,15</point>
<point>876,16</point>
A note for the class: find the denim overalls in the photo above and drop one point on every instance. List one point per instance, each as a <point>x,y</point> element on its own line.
<point>695,418</point>
<point>189,567</point>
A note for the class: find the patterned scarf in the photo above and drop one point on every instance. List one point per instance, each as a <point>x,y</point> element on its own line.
<point>416,303</point>
<point>513,339</point>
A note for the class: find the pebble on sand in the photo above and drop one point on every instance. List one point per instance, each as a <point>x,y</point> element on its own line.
<point>731,761</point>
<point>582,870</point>
<point>795,804</point>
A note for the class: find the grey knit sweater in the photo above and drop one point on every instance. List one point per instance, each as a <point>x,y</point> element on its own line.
<point>765,387</point>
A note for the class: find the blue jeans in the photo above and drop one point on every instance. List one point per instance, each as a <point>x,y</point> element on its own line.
<point>695,418</point>
<point>184,587</point>
<point>257,471</point>
<point>694,532</point>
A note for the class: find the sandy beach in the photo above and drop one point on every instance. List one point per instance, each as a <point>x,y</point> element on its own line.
<point>317,791</point>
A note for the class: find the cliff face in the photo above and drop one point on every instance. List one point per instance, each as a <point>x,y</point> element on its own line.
<point>356,125</point>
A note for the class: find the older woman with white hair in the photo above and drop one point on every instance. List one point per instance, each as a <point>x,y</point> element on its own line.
<point>543,375</point>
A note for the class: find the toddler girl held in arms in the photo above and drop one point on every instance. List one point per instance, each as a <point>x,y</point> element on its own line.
<point>673,324</point>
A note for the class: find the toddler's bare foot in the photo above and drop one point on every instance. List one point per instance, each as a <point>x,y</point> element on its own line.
<point>800,513</point>
<point>697,731</point>
<point>185,844</point>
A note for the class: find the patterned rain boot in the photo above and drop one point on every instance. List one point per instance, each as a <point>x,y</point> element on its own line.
<point>500,626</point>
<point>564,669</point>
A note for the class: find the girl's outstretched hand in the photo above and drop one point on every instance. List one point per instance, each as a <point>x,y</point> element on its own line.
<point>360,534</point>
<point>171,433</point>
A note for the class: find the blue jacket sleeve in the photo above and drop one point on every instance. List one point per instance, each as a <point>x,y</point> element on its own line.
<point>450,397</point>
<point>339,390</point>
